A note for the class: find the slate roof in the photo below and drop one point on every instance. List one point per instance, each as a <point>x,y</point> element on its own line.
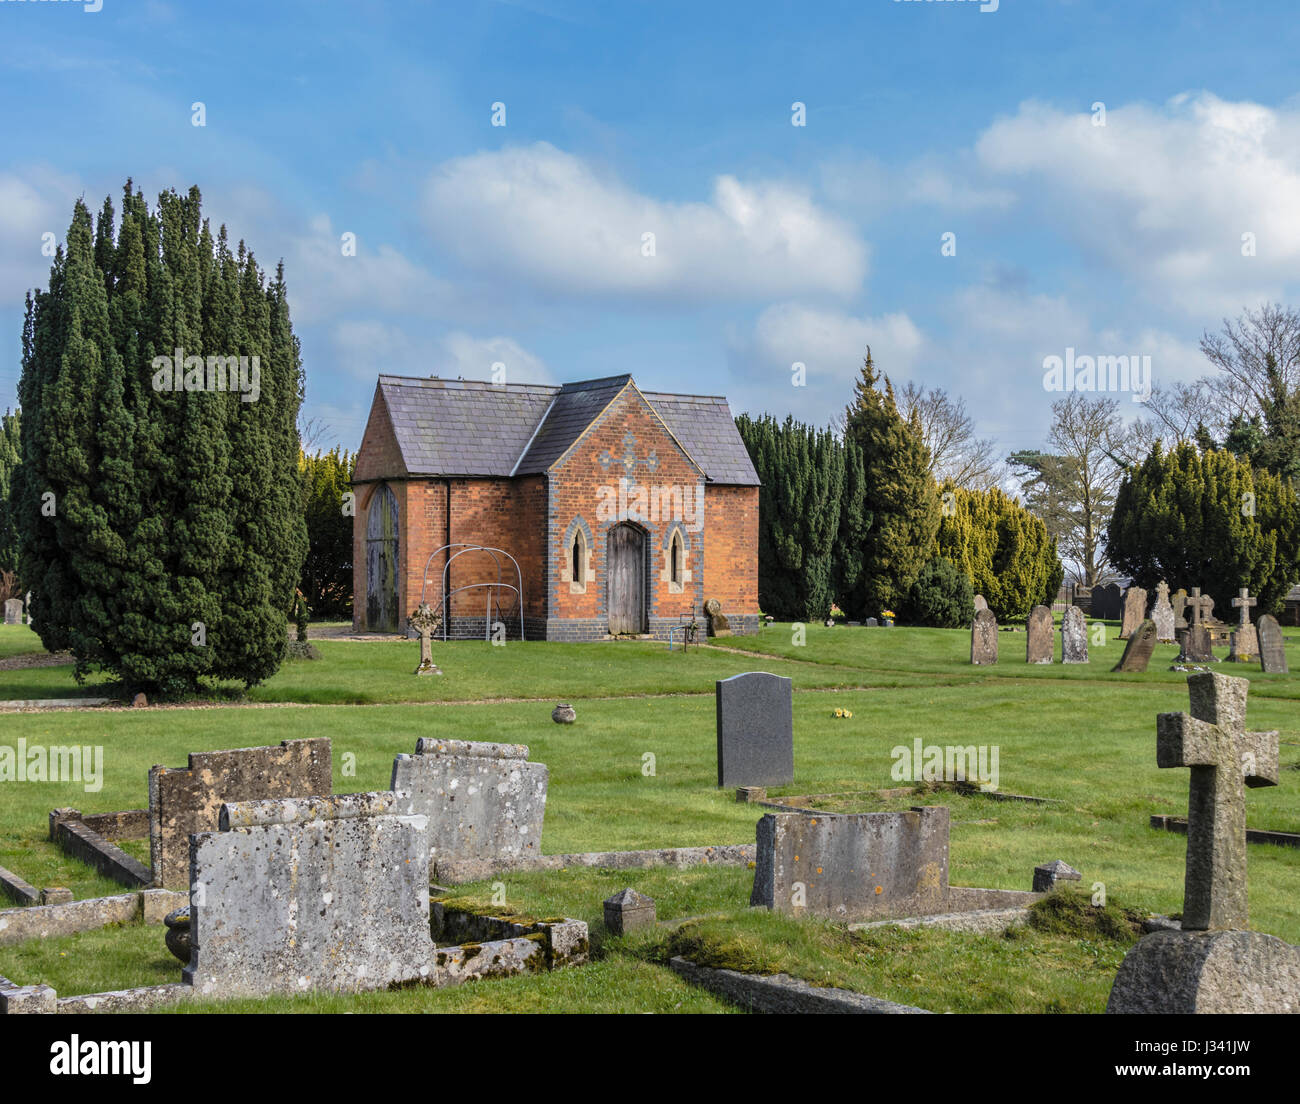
<point>468,427</point>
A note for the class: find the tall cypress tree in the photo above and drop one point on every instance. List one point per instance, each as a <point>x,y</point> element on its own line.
<point>898,493</point>
<point>154,527</point>
<point>10,457</point>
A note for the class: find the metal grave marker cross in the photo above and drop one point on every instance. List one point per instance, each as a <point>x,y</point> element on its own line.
<point>1222,755</point>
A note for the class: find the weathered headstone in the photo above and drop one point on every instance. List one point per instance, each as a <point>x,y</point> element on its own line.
<point>755,722</point>
<point>1245,641</point>
<point>862,866</point>
<point>187,800</point>
<point>483,801</point>
<point>1083,598</point>
<point>1107,603</point>
<point>426,621</point>
<point>1135,611</point>
<point>980,603</point>
<point>1179,602</point>
<point>1162,613</point>
<point>1137,652</point>
<point>1050,875</point>
<point>718,623</point>
<point>13,611</point>
<point>1272,652</point>
<point>1074,636</point>
<point>1195,639</point>
<point>628,910</point>
<point>328,893</point>
<point>1038,636</point>
<point>1213,964</point>
<point>984,638</point>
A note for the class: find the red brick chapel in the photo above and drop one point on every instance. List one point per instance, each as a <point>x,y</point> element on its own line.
<point>623,509</point>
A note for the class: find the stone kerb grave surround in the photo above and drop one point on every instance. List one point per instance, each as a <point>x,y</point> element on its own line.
<point>183,801</point>
<point>864,866</point>
<point>1213,964</point>
<point>324,893</point>
<point>755,727</point>
<point>483,800</point>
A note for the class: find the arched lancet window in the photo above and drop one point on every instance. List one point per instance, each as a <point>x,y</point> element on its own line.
<point>675,573</point>
<point>578,563</point>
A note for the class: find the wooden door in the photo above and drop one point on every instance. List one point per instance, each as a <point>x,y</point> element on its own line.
<point>382,614</point>
<point>625,570</point>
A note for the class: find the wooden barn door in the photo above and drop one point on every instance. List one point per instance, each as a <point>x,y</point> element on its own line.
<point>382,614</point>
<point>625,569</point>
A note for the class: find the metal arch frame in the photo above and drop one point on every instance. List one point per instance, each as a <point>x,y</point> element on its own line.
<point>493,552</point>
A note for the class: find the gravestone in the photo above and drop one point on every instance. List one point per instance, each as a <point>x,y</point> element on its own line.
<point>426,621</point>
<point>1162,613</point>
<point>1135,611</point>
<point>755,722</point>
<point>1074,636</point>
<point>187,800</point>
<point>1179,603</point>
<point>862,866</point>
<point>984,638</point>
<point>718,623</point>
<point>1272,652</point>
<point>1137,652</point>
<point>1195,639</point>
<point>980,603</point>
<point>1213,964</point>
<point>327,893</point>
<point>1083,598</point>
<point>1107,603</point>
<point>627,911</point>
<point>482,801</point>
<point>13,611</point>
<point>1245,641</point>
<point>1038,634</point>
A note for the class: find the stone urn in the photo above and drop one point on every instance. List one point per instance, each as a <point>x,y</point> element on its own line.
<point>178,933</point>
<point>564,713</point>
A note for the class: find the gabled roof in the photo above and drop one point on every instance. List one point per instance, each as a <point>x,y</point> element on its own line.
<point>472,428</point>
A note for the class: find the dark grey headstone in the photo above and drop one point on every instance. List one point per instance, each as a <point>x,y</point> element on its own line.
<point>1038,636</point>
<point>755,730</point>
<point>1137,652</point>
<point>1107,603</point>
<point>1272,653</point>
<point>1049,875</point>
<point>984,638</point>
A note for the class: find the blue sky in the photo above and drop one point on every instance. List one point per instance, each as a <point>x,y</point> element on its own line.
<point>522,244</point>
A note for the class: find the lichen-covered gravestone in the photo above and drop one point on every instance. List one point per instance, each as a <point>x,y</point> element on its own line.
<point>485,802</point>
<point>187,800</point>
<point>426,621</point>
<point>755,724</point>
<point>13,611</point>
<point>1272,651</point>
<point>1179,602</point>
<point>984,638</point>
<point>981,603</point>
<point>1213,964</point>
<point>718,623</point>
<point>1074,636</point>
<point>1162,613</point>
<point>1245,641</point>
<point>1135,611</point>
<point>1038,636</point>
<point>1137,652</point>
<point>327,893</point>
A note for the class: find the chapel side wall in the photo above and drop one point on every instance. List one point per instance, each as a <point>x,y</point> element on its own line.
<point>731,553</point>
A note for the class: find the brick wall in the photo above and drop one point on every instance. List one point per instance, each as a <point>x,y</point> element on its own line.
<point>731,555</point>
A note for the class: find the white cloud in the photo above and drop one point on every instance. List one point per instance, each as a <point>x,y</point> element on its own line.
<point>549,218</point>
<point>1165,194</point>
<point>474,358</point>
<point>869,187</point>
<point>33,201</point>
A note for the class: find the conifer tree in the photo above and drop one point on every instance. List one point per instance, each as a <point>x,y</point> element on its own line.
<point>160,528</point>
<point>10,457</point>
<point>898,493</point>
<point>327,571</point>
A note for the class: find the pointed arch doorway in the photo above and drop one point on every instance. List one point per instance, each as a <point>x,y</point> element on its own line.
<point>382,612</point>
<point>625,568</point>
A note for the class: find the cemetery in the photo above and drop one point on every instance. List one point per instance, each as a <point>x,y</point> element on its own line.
<point>697,865</point>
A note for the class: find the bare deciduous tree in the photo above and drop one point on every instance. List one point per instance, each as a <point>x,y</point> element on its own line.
<point>1246,351</point>
<point>949,433</point>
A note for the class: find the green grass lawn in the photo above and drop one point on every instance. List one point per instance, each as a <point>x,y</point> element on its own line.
<point>1080,736</point>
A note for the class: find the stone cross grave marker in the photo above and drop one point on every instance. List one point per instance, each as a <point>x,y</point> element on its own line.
<point>1137,652</point>
<point>13,611</point>
<point>755,722</point>
<point>1196,637</point>
<point>1245,641</point>
<point>1038,636</point>
<point>1272,652</point>
<point>188,799</point>
<point>1162,613</point>
<point>426,621</point>
<point>324,893</point>
<point>1074,636</point>
<point>984,638</point>
<point>1222,755</point>
<point>1135,611</point>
